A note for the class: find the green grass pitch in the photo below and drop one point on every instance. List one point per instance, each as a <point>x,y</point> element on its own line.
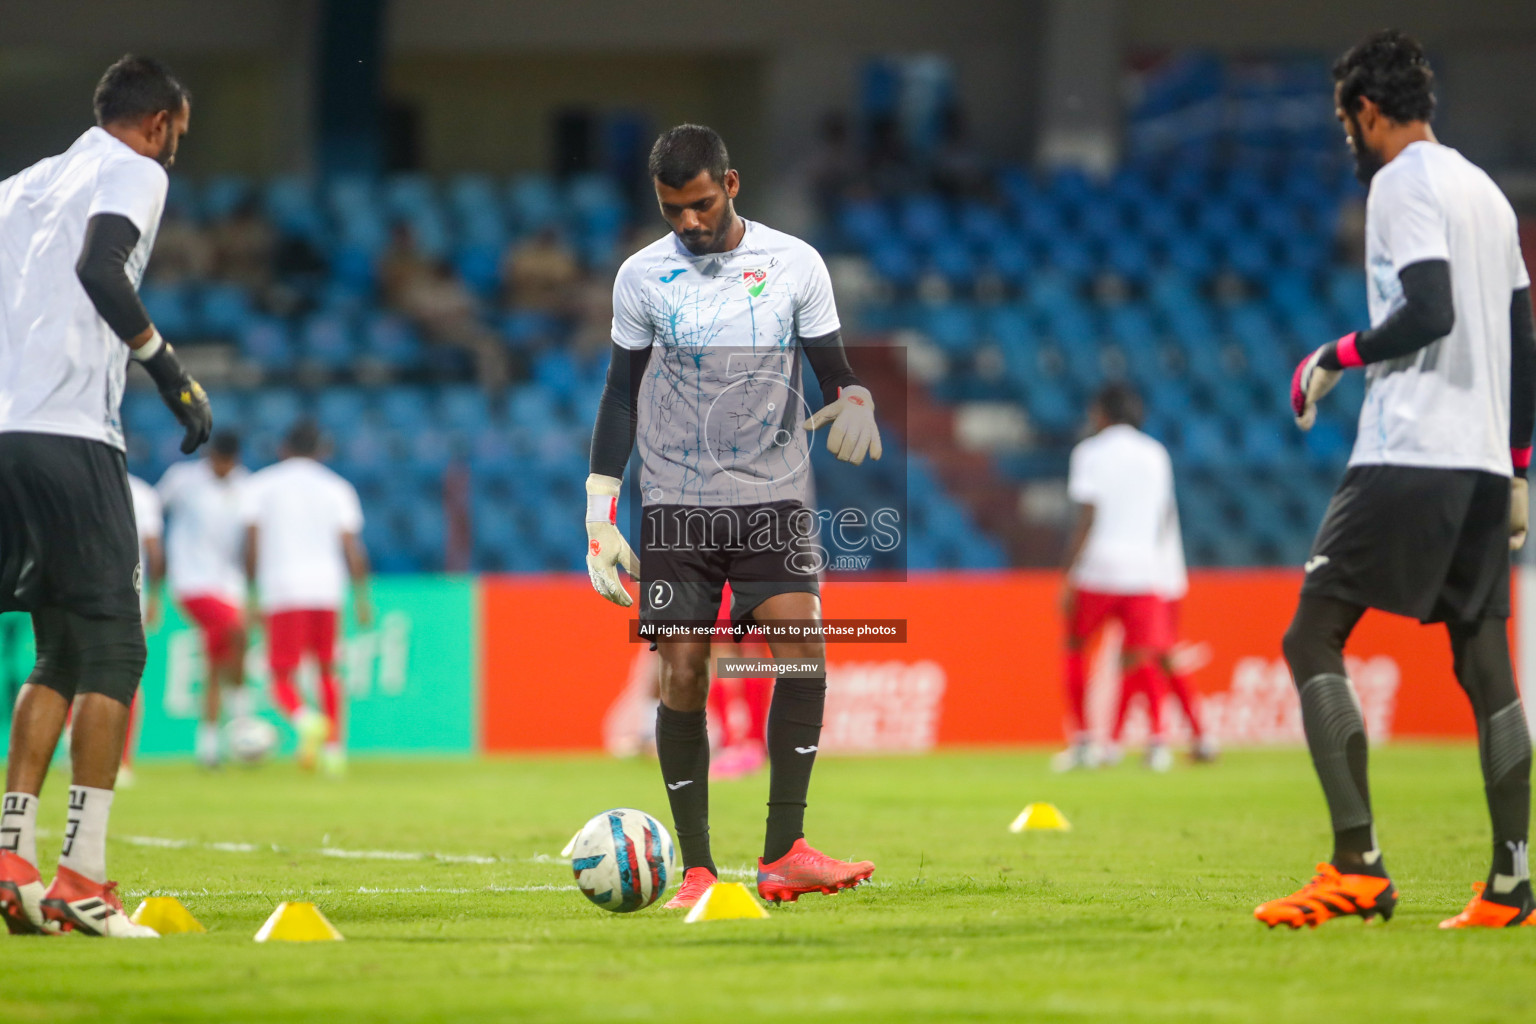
<point>1142,912</point>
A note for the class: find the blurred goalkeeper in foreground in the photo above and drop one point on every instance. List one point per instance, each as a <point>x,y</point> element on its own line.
<point>708,325</point>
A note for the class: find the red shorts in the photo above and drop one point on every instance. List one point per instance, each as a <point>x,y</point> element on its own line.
<point>1147,618</point>
<point>219,621</point>
<point>293,634</point>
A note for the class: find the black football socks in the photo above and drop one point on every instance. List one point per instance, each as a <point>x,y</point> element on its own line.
<point>794,732</point>
<point>682,747</point>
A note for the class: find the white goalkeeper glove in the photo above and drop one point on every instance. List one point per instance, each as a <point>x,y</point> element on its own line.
<point>1519,511</point>
<point>606,548</point>
<point>1310,383</point>
<point>854,432</point>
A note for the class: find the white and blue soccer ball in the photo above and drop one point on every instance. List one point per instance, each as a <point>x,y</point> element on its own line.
<point>250,739</point>
<point>623,860</point>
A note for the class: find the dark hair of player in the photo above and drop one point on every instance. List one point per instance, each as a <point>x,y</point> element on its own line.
<point>1119,403</point>
<point>137,87</point>
<point>681,153</point>
<point>303,439</point>
<point>1390,69</point>
<point>225,443</point>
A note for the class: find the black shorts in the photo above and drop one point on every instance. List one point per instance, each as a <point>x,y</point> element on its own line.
<point>1431,544</point>
<point>67,534</point>
<point>689,553</point>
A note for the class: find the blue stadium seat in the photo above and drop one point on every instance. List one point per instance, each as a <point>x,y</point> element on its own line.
<point>953,327</point>
<point>952,260</point>
<point>266,343</point>
<point>534,203</point>
<point>326,340</point>
<point>982,223</point>
<point>463,408</point>
<point>226,309</point>
<point>341,410</point>
<point>894,261</point>
<point>865,223</point>
<point>275,409</point>
<point>170,309</point>
<point>923,219</point>
<point>388,339</point>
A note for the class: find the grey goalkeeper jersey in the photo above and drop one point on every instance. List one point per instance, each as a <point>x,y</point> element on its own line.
<point>722,401</point>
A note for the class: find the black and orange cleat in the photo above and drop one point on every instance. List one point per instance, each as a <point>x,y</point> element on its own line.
<point>806,869</point>
<point>1332,894</point>
<point>1483,913</point>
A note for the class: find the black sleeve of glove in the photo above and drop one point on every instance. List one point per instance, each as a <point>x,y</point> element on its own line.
<point>1522,371</point>
<point>1426,315</point>
<point>830,362</point>
<point>102,270</point>
<point>618,414</point>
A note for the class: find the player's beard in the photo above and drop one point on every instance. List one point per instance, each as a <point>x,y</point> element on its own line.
<point>706,246</point>
<point>1367,160</point>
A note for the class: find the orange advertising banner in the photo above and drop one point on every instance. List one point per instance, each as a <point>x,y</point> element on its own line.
<point>981,665</point>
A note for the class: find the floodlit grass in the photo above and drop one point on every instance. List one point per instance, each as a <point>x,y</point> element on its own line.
<point>1143,911</point>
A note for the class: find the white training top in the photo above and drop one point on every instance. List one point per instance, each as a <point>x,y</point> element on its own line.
<point>300,510</point>
<point>1447,405</point>
<point>1128,479</point>
<point>206,539</point>
<point>61,366</point>
<point>721,404</point>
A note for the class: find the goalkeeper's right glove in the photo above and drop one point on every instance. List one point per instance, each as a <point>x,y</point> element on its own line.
<point>1317,375</point>
<point>606,548</point>
<point>181,394</point>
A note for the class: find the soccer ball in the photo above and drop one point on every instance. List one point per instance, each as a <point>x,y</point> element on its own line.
<point>622,860</point>
<point>250,739</point>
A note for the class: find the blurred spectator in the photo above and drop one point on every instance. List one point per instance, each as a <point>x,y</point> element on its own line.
<point>431,296</point>
<point>182,251</point>
<point>889,167</point>
<point>960,171</point>
<point>833,167</point>
<point>243,244</point>
<point>541,274</point>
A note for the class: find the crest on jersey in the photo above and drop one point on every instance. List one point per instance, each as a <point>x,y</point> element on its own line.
<point>755,281</point>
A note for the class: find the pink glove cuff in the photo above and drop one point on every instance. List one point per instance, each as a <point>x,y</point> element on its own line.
<point>1349,355</point>
<point>1520,457</point>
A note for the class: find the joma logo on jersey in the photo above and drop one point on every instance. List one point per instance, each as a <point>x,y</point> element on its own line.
<point>673,276</point>
<point>754,281</point>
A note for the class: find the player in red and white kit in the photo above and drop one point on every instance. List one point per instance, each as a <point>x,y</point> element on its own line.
<point>203,549</point>
<point>302,542</point>
<point>1121,481</point>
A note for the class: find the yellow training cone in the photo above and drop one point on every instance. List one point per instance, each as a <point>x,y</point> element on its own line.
<point>166,915</point>
<point>1040,816</point>
<point>297,922</point>
<point>726,901</point>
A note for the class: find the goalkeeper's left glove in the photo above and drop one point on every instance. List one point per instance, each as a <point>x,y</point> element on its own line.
<point>1317,375</point>
<point>606,547</point>
<point>854,432</point>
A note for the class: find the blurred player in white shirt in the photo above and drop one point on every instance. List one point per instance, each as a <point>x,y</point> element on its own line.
<point>1117,563</point>
<point>303,541</point>
<point>149,523</point>
<point>204,545</point>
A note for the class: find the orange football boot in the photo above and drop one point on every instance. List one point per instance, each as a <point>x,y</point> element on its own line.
<point>1481,913</point>
<point>806,869</point>
<point>1332,894</point>
<point>696,882</point>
